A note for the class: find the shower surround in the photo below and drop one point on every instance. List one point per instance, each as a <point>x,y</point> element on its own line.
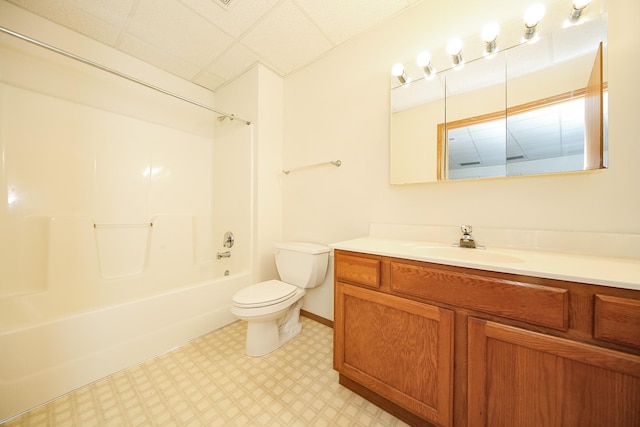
<point>115,200</point>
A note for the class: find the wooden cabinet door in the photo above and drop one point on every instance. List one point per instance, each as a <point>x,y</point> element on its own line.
<point>400,349</point>
<point>522,378</point>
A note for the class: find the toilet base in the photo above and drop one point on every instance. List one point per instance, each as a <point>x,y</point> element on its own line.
<point>263,337</point>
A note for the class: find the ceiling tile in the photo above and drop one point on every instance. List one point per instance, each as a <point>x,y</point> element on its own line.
<point>341,20</point>
<point>173,28</point>
<point>150,54</point>
<point>207,79</point>
<point>290,49</point>
<point>236,20</point>
<point>207,43</point>
<point>233,62</point>
<point>98,20</point>
<point>93,27</point>
<point>114,12</point>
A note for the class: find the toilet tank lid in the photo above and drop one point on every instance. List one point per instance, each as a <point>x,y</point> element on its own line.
<point>307,248</point>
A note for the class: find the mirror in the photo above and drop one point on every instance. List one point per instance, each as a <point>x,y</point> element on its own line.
<point>473,136</point>
<point>526,110</point>
<point>417,110</point>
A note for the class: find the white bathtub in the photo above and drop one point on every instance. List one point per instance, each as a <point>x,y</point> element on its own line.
<point>46,359</point>
<point>111,216</point>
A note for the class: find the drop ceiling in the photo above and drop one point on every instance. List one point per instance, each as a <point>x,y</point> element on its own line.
<point>211,42</point>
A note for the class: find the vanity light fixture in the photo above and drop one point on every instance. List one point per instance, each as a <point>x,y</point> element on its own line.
<point>577,8</point>
<point>454,48</point>
<point>424,61</point>
<point>398,72</point>
<point>490,37</point>
<point>532,17</point>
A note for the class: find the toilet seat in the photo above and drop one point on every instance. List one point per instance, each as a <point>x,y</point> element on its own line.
<point>264,294</point>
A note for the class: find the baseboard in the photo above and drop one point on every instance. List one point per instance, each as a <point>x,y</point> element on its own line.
<point>317,318</point>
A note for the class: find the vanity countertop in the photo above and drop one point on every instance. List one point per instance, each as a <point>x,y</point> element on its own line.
<point>597,270</point>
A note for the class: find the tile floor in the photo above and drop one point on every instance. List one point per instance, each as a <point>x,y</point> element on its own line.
<point>210,382</point>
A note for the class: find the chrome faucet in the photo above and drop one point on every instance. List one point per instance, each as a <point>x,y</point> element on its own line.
<point>226,254</point>
<point>229,240</point>
<point>467,240</point>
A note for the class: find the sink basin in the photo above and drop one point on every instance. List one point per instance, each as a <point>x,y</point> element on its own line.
<point>462,254</point>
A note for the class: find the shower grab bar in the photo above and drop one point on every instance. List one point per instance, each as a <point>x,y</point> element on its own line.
<point>142,224</point>
<point>336,163</point>
<point>117,73</point>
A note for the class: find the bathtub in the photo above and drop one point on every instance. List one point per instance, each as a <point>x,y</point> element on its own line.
<point>112,210</point>
<point>48,358</point>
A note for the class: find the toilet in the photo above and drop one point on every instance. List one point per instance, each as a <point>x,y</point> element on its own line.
<point>272,308</point>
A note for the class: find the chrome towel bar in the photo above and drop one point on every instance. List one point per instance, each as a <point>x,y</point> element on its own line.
<point>336,163</point>
<point>143,224</point>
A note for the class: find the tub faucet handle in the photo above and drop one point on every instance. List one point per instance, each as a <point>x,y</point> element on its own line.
<point>228,240</point>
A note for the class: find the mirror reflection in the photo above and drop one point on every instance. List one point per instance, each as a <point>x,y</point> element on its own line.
<point>528,109</point>
<point>474,133</point>
<point>547,139</point>
<point>419,109</point>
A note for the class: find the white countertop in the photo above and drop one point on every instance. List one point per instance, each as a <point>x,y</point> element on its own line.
<point>597,270</point>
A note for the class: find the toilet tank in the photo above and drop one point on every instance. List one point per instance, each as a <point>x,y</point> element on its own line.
<point>302,264</point>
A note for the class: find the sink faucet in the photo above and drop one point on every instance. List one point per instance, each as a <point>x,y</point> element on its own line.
<point>467,240</point>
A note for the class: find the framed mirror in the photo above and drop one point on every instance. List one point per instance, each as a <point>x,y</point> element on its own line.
<point>543,128</point>
<point>532,108</point>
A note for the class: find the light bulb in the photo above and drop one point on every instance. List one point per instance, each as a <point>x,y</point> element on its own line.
<point>534,14</point>
<point>489,35</point>
<point>454,47</point>
<point>490,32</point>
<point>532,17</point>
<point>424,61</point>
<point>397,70</point>
<point>577,10</point>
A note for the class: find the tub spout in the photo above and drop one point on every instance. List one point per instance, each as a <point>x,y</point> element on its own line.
<point>226,254</point>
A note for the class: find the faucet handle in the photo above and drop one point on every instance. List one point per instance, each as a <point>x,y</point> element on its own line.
<point>466,229</point>
<point>228,240</point>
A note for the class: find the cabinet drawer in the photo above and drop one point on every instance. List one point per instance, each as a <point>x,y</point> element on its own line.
<point>617,320</point>
<point>357,269</point>
<point>535,304</point>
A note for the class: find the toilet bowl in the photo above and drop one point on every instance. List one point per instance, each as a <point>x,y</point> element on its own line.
<point>272,308</point>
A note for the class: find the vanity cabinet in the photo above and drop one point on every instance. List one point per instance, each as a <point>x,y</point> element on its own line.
<point>523,378</point>
<point>450,346</point>
<point>400,349</point>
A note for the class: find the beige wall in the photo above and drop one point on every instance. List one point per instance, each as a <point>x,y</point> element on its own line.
<point>257,95</point>
<point>339,108</point>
